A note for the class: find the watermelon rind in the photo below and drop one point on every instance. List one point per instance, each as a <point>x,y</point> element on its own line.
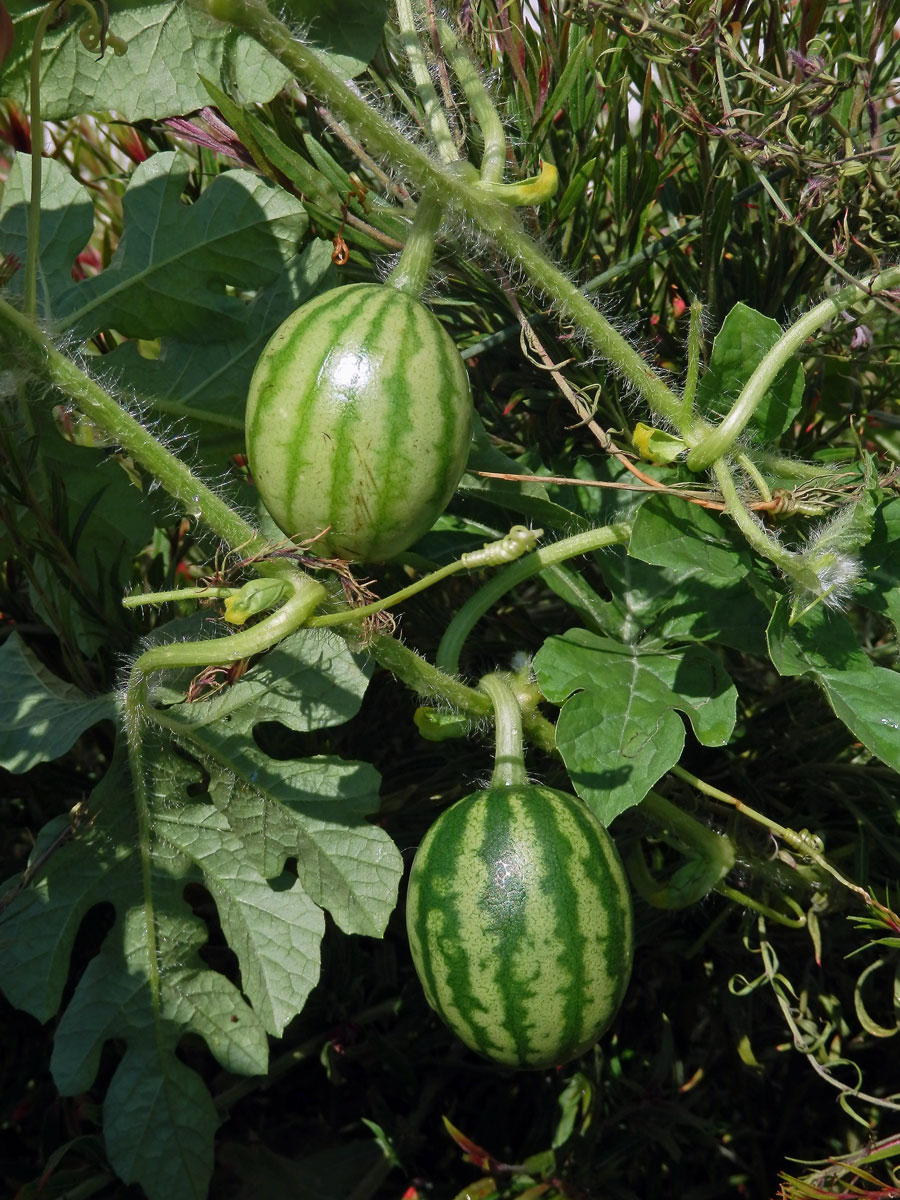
<point>520,924</point>
<point>358,423</point>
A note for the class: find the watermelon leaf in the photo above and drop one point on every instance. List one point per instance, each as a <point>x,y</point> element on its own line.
<point>618,731</point>
<point>170,46</point>
<point>41,716</point>
<point>174,267</point>
<point>215,810</point>
<point>740,345</point>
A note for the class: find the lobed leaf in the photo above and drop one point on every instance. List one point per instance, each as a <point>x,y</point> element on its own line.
<point>174,266</point>
<point>170,46</point>
<point>618,731</point>
<point>231,825</point>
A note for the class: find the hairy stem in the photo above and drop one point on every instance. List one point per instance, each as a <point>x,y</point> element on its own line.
<point>411,273</point>
<point>29,299</point>
<point>490,215</point>
<point>431,104</point>
<point>509,761</point>
<point>432,684</point>
<point>492,554</point>
<point>718,443</point>
<point>96,404</point>
<point>792,565</point>
<point>133,706</point>
<point>306,596</point>
<point>695,339</point>
<point>493,159</point>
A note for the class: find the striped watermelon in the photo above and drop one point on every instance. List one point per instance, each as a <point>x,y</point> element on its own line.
<point>359,418</point>
<point>520,924</point>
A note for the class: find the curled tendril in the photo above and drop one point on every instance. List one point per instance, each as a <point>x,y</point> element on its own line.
<point>94,33</point>
<point>517,542</point>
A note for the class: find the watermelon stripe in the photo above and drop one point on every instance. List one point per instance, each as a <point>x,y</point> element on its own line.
<point>438,910</point>
<point>520,926</point>
<point>359,417</point>
<point>314,423</point>
<point>354,468</point>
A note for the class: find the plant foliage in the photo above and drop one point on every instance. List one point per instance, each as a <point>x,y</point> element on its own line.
<point>685,368</point>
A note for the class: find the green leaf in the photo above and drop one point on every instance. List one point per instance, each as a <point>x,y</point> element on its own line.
<point>170,45</point>
<point>865,697</point>
<point>879,588</point>
<point>148,985</point>
<point>655,445</point>
<point>159,1119</point>
<point>823,640</point>
<point>349,33</point>
<point>868,702</point>
<point>313,810</point>
<point>741,344</point>
<point>171,273</point>
<point>41,716</point>
<point>672,533</point>
<point>67,222</point>
<point>103,520</point>
<point>274,933</point>
<point>527,498</point>
<point>207,379</point>
<point>618,732</point>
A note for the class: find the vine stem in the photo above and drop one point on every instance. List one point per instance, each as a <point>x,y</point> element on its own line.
<point>101,408</point>
<point>493,158</point>
<point>806,844</point>
<point>792,565</point>
<point>509,759</point>
<point>431,683</point>
<point>431,104</point>
<point>486,212</point>
<point>492,554</point>
<point>134,705</point>
<point>305,597</point>
<point>29,285</point>
<point>465,618</point>
<point>695,340</point>
<point>411,273</point>
<point>720,440</point>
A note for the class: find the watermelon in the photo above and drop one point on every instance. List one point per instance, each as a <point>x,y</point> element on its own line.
<point>359,419</point>
<point>520,924</point>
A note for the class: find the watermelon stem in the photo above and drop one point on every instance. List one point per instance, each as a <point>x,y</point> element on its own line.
<point>410,275</point>
<point>518,541</point>
<point>435,117</point>
<point>509,758</point>
<point>493,158</point>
